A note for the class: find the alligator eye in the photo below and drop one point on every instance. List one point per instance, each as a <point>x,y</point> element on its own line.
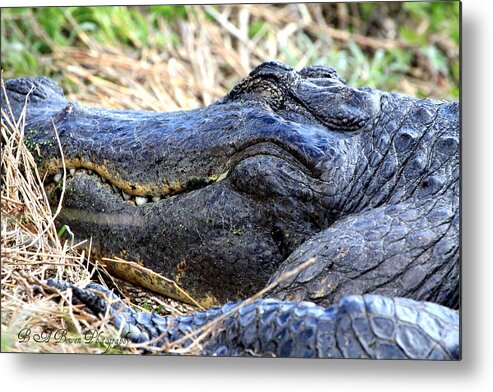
<point>326,82</point>
<point>321,72</point>
<point>338,107</point>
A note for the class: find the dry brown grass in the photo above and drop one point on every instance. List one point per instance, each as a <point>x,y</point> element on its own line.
<point>31,251</point>
<point>212,51</point>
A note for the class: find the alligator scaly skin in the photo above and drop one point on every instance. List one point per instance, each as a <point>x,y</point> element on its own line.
<point>368,326</point>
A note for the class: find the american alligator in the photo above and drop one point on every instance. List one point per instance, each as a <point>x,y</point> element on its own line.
<point>287,167</point>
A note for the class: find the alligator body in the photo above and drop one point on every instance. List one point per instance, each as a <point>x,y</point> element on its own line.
<point>289,166</point>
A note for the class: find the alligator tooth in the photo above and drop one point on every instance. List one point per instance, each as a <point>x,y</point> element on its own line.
<point>115,188</point>
<point>57,177</point>
<point>126,196</point>
<point>222,176</point>
<point>140,201</point>
<point>72,172</point>
<point>104,180</point>
<point>155,199</point>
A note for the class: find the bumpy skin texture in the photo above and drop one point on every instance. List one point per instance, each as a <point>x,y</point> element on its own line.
<point>369,326</point>
<point>288,166</point>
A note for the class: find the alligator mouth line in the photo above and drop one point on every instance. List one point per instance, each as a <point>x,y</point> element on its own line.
<point>142,194</point>
<point>139,200</point>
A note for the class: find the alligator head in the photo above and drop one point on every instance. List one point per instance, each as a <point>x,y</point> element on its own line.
<point>217,198</point>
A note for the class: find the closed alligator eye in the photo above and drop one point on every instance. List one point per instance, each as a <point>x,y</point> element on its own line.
<point>320,73</point>
<point>339,107</point>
